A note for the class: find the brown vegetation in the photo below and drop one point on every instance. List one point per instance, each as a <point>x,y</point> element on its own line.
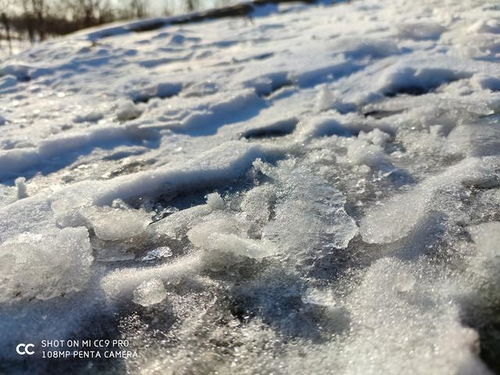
<point>36,20</point>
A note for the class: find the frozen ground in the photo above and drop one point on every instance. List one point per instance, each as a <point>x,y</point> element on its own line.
<point>313,190</point>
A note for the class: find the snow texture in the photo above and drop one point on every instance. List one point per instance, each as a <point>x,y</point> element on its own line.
<point>312,190</point>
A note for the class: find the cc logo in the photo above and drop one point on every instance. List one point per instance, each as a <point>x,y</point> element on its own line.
<point>25,349</point>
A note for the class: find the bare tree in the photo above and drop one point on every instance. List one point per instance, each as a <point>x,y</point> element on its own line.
<point>5,21</point>
<point>36,20</point>
<point>137,8</point>
<point>39,9</point>
<point>89,12</point>
<point>28,20</point>
<point>192,5</point>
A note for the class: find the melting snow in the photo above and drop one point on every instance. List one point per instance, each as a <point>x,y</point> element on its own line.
<point>312,190</point>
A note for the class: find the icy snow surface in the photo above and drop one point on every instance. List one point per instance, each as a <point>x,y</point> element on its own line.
<point>312,190</point>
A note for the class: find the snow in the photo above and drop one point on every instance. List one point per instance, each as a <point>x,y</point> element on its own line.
<point>21,187</point>
<point>161,252</point>
<point>313,189</point>
<point>420,30</point>
<point>45,266</point>
<point>150,292</point>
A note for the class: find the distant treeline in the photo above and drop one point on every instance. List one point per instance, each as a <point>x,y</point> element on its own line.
<point>36,20</point>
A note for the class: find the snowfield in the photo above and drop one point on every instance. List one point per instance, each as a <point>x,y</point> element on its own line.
<point>311,190</point>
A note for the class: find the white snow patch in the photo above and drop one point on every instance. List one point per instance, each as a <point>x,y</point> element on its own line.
<point>45,266</point>
<point>150,293</point>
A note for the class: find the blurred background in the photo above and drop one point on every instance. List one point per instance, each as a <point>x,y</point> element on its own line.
<point>24,22</point>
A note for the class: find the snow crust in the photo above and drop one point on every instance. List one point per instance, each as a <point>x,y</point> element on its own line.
<point>314,190</point>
